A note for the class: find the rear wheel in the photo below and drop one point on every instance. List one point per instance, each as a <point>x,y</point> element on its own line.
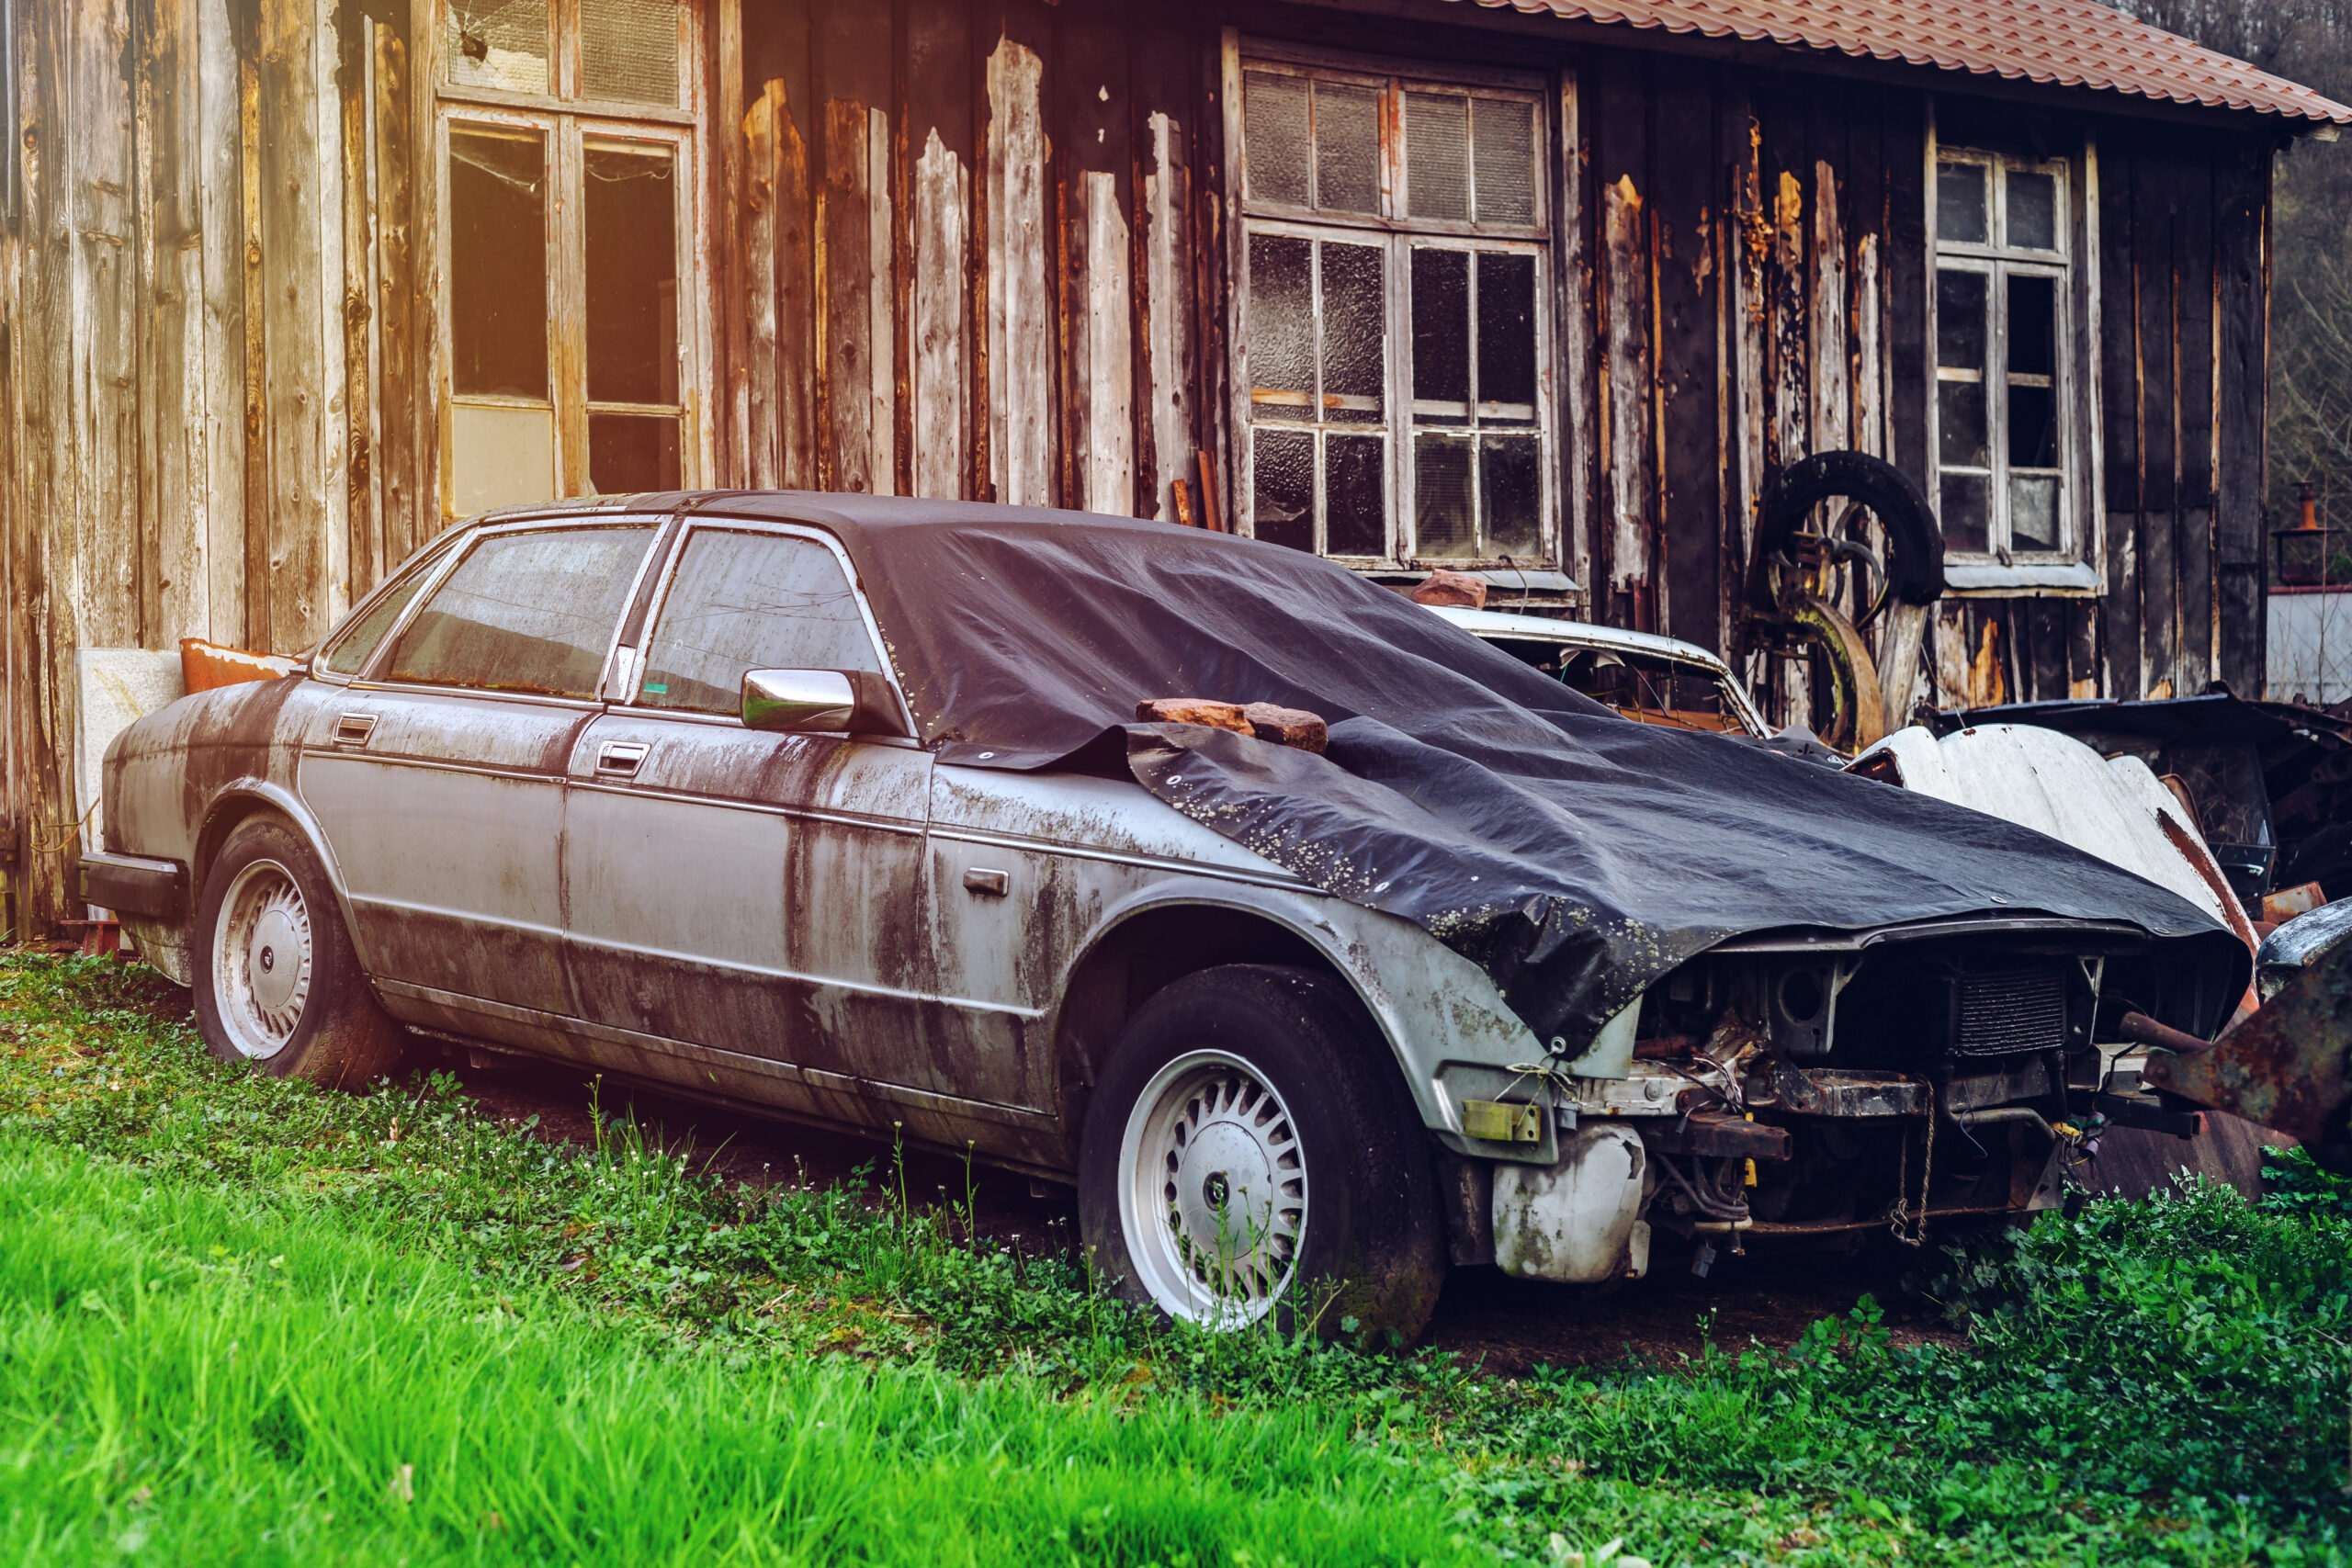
<point>1250,1153</point>
<point>277,980</point>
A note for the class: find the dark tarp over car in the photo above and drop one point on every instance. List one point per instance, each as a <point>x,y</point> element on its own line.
<point>1576,856</point>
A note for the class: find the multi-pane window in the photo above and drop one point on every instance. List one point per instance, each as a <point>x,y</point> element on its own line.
<point>569,202</point>
<point>2003,447</point>
<point>1395,322</point>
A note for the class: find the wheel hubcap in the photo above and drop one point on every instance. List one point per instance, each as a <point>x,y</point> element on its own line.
<point>1214,1189</point>
<point>262,959</point>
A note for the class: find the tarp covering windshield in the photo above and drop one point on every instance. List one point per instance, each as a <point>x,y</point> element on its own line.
<point>1574,855</point>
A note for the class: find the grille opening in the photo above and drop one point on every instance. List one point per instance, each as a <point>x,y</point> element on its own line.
<point>2003,1014</point>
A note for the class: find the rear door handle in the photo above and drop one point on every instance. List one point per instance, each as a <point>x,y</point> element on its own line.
<point>620,759</point>
<point>354,728</point>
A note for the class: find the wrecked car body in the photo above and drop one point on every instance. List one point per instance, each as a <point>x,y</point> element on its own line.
<point>953,821</point>
<point>1644,676</point>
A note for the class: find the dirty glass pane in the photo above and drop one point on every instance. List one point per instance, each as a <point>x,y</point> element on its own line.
<point>2033,512</point>
<point>2033,427</point>
<point>2033,325</point>
<point>1963,511</point>
<point>1347,148</point>
<point>1959,418</point>
<point>1437,155</point>
<point>1273,129</point>
<point>497,43</point>
<point>1444,524</point>
<point>498,263</point>
<point>350,654</point>
<point>525,613</point>
<point>1504,140</point>
<point>1283,496</point>
<point>1506,338</point>
<point>1510,484</point>
<point>500,456</point>
<point>1960,319</point>
<point>1355,509</point>
<point>628,50</point>
<point>1960,203</point>
<point>1354,331</point>
<point>1281,322</point>
<point>632,323</point>
<point>744,602</point>
<point>2033,211</point>
<point>1442,332</point>
<point>629,453</point>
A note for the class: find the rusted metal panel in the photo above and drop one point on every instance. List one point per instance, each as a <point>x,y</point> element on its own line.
<point>2287,1066</point>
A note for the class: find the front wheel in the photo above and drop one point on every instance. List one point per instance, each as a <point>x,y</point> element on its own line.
<point>1250,1152</point>
<point>277,980</point>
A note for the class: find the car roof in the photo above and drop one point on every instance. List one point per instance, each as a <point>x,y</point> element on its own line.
<point>1578,634</point>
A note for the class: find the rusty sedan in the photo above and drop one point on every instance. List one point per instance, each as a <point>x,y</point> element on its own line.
<point>1317,943</point>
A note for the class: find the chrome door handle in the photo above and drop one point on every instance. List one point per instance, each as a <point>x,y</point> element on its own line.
<point>354,728</point>
<point>988,884</point>
<point>620,759</point>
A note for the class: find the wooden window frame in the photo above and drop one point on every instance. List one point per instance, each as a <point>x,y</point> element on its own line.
<point>2071,567</point>
<point>1396,232</point>
<point>570,127</point>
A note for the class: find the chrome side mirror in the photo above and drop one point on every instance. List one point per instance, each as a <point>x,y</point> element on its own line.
<point>820,702</point>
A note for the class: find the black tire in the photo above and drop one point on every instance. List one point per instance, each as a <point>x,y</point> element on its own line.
<point>277,980</point>
<point>1915,543</point>
<point>1365,1252</point>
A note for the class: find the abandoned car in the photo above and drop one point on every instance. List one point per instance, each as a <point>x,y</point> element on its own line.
<point>1320,945</point>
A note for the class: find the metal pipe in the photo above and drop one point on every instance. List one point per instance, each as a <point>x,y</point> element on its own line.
<point>2145,1030</point>
<point>2000,1114</point>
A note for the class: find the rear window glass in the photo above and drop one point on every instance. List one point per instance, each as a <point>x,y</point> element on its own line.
<point>525,613</point>
<point>743,602</point>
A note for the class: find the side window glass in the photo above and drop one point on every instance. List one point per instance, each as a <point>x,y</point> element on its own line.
<point>744,602</point>
<point>525,613</point>
<point>350,653</point>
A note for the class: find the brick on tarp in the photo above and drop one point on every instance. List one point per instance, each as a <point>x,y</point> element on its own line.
<point>1287,727</point>
<point>1194,710</point>
<point>1451,589</point>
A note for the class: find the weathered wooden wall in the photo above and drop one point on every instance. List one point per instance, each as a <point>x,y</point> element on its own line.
<point>979,248</point>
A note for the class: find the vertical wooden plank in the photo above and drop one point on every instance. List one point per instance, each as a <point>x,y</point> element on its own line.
<point>1020,318</point>
<point>1625,389</point>
<point>1168,348</point>
<point>763,449</point>
<point>221,305</point>
<point>1579,432</point>
<point>1684,218</point>
<point>177,520</point>
<point>104,429</point>
<point>1092,118</point>
<point>778,48</point>
<point>938,114</point>
<point>2120,672</point>
<point>2241,288</point>
<point>2155,265</point>
<point>2193,307</point>
<point>844,312</point>
<point>365,546</point>
<point>1109,383</point>
<point>1908,283</point>
<point>407,501</point>
<point>882,300</point>
<point>728,263</point>
<point>430,359</point>
<point>1827,314</point>
<point>1750,364</point>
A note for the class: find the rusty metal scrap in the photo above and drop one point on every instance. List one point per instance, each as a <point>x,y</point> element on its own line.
<point>2287,1066</point>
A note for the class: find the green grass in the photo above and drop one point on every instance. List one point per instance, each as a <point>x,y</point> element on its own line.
<point>233,1310</point>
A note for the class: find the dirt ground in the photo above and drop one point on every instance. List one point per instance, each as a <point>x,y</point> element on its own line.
<point>1506,1326</point>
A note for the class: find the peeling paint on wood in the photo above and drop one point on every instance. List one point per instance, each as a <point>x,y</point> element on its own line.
<point>1168,348</point>
<point>1020,329</point>
<point>1106,378</point>
<point>1625,415</point>
<point>942,365</point>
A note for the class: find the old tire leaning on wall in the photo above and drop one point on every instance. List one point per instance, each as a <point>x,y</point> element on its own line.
<point>1250,1152</point>
<point>1914,541</point>
<point>277,980</point>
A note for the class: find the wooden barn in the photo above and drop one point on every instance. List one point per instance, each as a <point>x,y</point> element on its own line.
<point>1548,292</point>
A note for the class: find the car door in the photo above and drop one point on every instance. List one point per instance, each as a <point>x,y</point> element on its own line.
<point>751,905</point>
<point>440,784</point>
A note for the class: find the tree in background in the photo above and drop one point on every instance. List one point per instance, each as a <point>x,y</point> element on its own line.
<point>2308,41</point>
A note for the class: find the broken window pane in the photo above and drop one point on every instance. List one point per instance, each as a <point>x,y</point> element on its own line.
<point>1354,331</point>
<point>2033,512</point>
<point>745,601</point>
<point>1347,148</point>
<point>1282,491</point>
<point>1963,511</point>
<point>633,319</point>
<point>498,263</point>
<point>1281,322</point>
<point>500,44</point>
<point>2033,427</point>
<point>2033,325</point>
<point>1442,332</point>
<point>525,613</point>
<point>1506,337</point>
<point>1355,505</point>
<point>1274,131</point>
<point>1437,155</point>
<point>628,50</point>
<point>1960,204</point>
<point>1960,420</point>
<point>1504,140</point>
<point>1444,524</point>
<point>1960,319</point>
<point>629,453</point>
<point>2033,211</point>
<point>1511,488</point>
